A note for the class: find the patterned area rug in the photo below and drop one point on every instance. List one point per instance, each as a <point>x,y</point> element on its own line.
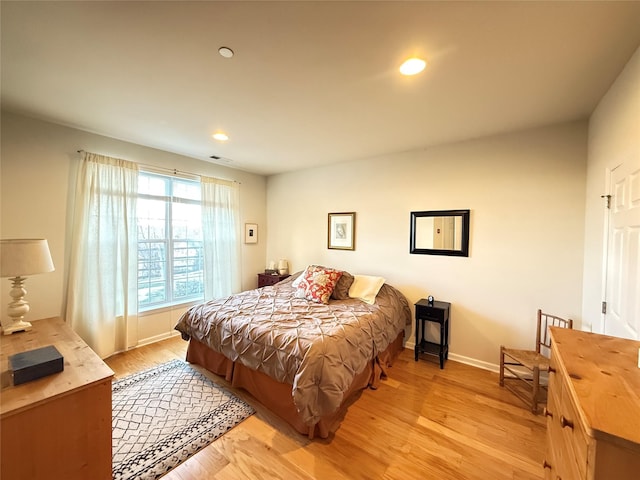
<point>164,415</point>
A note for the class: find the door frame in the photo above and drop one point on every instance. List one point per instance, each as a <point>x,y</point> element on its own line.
<point>598,326</point>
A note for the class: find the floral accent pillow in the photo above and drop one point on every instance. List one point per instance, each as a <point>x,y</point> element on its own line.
<point>317,283</point>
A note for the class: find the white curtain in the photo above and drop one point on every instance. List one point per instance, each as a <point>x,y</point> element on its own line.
<point>102,293</point>
<point>221,234</point>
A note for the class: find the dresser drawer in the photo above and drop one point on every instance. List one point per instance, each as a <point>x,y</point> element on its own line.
<point>554,378</point>
<point>573,432</point>
<point>560,459</point>
<point>568,442</point>
<point>553,456</point>
<point>439,312</point>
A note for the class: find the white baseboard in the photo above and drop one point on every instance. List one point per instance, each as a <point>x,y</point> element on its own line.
<point>157,338</point>
<point>492,367</point>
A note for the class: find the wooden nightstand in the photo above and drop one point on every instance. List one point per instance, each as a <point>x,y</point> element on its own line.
<point>438,313</point>
<point>59,426</point>
<point>266,279</point>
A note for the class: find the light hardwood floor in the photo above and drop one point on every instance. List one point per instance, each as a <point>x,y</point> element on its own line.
<point>422,423</point>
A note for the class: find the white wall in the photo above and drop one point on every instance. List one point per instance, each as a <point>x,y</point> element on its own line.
<point>524,190</point>
<point>526,195</point>
<point>38,164</point>
<point>614,137</point>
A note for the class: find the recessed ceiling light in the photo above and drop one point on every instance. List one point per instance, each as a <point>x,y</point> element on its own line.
<point>226,52</point>
<point>412,66</point>
<point>223,137</point>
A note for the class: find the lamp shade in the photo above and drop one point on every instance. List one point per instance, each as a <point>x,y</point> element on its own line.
<point>23,257</point>
<point>283,267</point>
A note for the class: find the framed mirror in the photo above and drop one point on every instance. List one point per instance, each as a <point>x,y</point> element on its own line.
<point>440,232</point>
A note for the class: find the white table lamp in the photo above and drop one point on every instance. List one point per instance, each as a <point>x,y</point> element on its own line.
<point>283,267</point>
<point>20,258</point>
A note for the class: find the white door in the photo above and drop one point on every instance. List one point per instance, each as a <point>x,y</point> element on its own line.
<point>622,289</point>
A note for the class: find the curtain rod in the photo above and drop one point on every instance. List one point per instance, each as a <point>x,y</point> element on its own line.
<point>174,171</point>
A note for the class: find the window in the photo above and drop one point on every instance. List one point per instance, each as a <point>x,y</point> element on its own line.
<point>170,252</point>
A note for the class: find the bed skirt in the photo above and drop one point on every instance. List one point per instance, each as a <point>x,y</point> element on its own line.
<point>277,396</point>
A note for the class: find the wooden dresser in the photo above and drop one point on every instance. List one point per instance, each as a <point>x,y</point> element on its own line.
<point>593,408</point>
<point>267,279</point>
<point>59,426</point>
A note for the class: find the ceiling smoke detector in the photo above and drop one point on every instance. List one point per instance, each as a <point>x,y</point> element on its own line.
<point>226,52</point>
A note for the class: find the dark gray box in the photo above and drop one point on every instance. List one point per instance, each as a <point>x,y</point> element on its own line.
<point>34,364</point>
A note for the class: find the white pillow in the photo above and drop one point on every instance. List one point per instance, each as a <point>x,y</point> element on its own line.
<point>365,288</point>
<point>297,281</point>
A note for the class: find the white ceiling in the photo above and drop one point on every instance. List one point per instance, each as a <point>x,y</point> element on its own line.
<point>311,83</point>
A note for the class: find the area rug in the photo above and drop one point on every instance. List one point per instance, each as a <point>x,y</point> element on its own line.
<point>163,415</point>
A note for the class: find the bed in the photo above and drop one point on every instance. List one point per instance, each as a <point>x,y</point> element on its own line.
<point>302,358</point>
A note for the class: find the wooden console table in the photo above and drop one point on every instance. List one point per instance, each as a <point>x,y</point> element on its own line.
<point>59,426</point>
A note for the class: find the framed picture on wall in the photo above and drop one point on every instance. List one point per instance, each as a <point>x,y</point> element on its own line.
<point>250,233</point>
<point>342,231</point>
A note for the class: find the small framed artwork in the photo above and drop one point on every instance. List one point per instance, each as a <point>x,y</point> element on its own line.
<point>250,233</point>
<point>342,231</point>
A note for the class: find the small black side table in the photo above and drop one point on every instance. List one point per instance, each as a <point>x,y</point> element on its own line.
<point>438,313</point>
